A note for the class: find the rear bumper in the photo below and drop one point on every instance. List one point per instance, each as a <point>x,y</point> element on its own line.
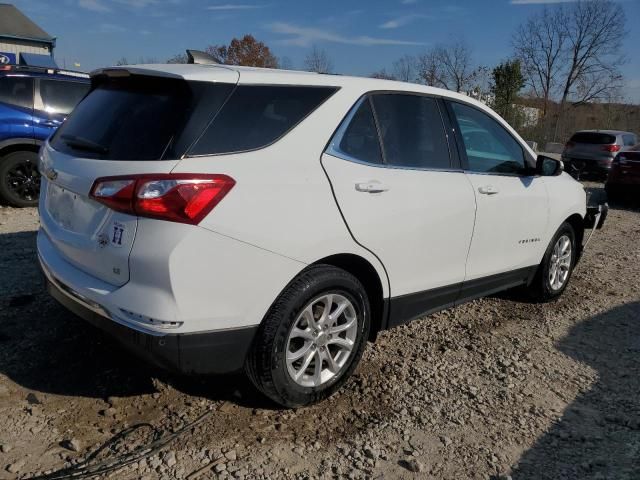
<point>590,165</point>
<point>215,352</point>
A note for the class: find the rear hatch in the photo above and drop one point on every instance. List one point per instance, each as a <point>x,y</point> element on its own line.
<point>591,146</point>
<point>133,121</point>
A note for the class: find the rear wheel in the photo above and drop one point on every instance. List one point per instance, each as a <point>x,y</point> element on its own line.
<point>556,267</point>
<point>20,179</point>
<point>312,337</point>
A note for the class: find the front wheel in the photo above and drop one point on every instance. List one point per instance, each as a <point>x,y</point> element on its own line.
<point>556,267</point>
<point>312,337</point>
<point>19,179</point>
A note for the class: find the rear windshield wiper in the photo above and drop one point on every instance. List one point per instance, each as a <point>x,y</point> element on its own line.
<point>80,143</point>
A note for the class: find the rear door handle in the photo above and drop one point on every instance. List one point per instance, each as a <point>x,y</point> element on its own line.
<point>488,190</point>
<point>371,187</point>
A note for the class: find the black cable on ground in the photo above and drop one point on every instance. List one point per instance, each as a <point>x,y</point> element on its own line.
<point>90,468</point>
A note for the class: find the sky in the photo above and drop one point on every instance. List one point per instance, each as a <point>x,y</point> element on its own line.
<point>360,36</point>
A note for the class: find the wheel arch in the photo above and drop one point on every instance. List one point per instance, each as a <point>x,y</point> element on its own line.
<point>366,273</point>
<point>577,223</point>
<point>18,145</point>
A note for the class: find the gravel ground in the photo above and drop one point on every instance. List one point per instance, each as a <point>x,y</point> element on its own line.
<point>496,388</point>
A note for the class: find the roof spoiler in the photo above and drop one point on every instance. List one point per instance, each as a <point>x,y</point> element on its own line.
<point>201,58</point>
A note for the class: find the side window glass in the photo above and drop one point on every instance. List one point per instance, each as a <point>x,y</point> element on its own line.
<point>412,131</point>
<point>61,97</point>
<point>17,91</point>
<point>257,115</point>
<point>490,148</point>
<point>629,140</point>
<point>358,138</point>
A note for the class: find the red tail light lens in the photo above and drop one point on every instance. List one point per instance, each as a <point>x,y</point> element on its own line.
<point>611,148</point>
<point>184,198</point>
<point>570,145</point>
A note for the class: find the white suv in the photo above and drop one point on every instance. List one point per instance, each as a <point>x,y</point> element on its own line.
<point>216,218</point>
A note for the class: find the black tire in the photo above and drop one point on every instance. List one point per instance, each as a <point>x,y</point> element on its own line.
<point>613,193</point>
<point>266,364</point>
<point>541,289</point>
<point>19,179</point>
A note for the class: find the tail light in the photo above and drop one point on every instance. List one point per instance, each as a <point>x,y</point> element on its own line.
<point>611,148</point>
<point>569,145</point>
<point>184,198</point>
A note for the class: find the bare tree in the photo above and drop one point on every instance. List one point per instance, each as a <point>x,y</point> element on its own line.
<point>447,66</point>
<point>456,64</point>
<point>595,30</point>
<point>405,69</point>
<point>539,45</point>
<point>382,74</point>
<point>178,58</point>
<point>318,61</point>
<point>430,69</point>
<point>285,63</point>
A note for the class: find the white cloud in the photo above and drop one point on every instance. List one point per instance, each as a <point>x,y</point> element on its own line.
<point>93,5</point>
<point>230,6</point>
<point>137,3</point>
<point>539,2</point>
<point>110,28</point>
<point>306,36</point>
<point>402,21</point>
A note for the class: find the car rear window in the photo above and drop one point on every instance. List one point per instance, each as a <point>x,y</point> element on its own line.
<point>139,118</point>
<point>594,138</point>
<point>257,115</point>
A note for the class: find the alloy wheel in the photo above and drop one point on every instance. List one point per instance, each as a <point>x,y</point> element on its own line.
<point>23,179</point>
<point>560,263</point>
<point>321,340</point>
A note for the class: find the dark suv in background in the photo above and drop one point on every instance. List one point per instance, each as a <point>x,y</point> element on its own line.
<point>593,151</point>
<point>33,103</point>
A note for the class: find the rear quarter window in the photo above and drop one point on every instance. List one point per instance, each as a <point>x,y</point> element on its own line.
<point>258,115</point>
<point>17,91</point>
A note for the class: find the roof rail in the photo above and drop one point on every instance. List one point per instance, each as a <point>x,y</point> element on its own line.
<point>201,58</point>
<point>50,71</point>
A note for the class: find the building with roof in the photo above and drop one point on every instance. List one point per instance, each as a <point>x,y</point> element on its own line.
<point>22,42</point>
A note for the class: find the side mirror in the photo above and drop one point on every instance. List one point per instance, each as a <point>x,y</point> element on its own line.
<point>548,167</point>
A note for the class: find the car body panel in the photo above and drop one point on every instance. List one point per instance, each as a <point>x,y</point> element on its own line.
<point>291,206</point>
<point>510,226</point>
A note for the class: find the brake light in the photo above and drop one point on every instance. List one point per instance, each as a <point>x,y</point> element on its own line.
<point>184,198</point>
<point>611,148</point>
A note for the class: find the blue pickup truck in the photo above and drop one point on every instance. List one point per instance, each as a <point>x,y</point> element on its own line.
<point>33,102</point>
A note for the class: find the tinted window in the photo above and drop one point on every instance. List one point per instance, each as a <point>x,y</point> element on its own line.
<point>256,116</point>
<point>489,146</point>
<point>59,96</point>
<point>629,140</point>
<point>359,138</point>
<point>593,138</point>
<point>17,91</point>
<point>140,118</point>
<point>412,131</point>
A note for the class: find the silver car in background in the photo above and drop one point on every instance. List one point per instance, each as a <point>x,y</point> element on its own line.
<point>593,151</point>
